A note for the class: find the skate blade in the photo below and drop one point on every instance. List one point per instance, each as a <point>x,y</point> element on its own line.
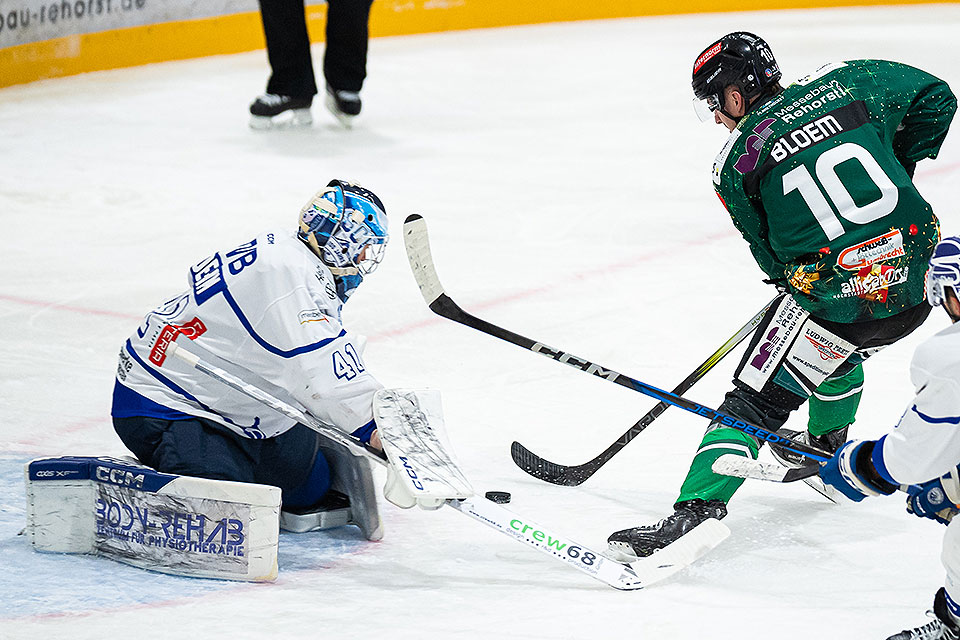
<point>827,492</point>
<point>674,557</point>
<point>287,119</point>
<point>681,552</point>
<point>621,552</point>
<point>343,118</point>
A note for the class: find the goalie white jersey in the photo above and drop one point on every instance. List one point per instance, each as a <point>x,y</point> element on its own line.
<point>269,307</point>
<point>926,442</point>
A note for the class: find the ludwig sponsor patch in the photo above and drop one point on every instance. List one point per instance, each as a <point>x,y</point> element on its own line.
<point>819,353</point>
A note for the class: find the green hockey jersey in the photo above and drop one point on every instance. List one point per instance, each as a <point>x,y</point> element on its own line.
<point>818,181</point>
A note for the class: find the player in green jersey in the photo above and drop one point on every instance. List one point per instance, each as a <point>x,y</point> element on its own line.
<point>817,177</point>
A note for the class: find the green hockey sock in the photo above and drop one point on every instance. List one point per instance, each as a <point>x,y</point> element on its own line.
<point>701,482</point>
<point>834,403</point>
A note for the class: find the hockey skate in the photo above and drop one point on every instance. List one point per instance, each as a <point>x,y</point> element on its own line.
<point>828,442</point>
<point>639,542</point>
<point>344,105</point>
<point>942,627</point>
<point>271,111</point>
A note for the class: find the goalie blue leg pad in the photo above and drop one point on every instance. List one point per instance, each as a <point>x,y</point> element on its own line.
<point>204,449</point>
<point>313,490</point>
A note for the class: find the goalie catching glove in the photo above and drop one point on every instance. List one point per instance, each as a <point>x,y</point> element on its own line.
<point>421,471</point>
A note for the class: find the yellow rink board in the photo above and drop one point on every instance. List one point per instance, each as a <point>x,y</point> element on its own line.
<point>242,32</point>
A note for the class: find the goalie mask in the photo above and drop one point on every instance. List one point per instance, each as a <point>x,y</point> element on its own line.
<point>944,271</point>
<point>345,225</point>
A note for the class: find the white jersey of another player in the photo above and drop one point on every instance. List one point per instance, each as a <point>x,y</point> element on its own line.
<point>926,442</point>
<point>269,306</point>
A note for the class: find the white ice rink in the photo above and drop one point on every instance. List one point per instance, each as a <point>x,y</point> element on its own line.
<point>566,182</point>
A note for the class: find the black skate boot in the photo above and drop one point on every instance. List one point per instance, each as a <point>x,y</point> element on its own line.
<point>270,110</point>
<point>829,442</point>
<point>344,105</point>
<point>640,542</point>
<point>942,627</point>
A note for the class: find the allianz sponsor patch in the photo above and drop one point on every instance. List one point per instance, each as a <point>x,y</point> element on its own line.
<point>885,247</point>
<point>311,315</point>
<point>873,283</point>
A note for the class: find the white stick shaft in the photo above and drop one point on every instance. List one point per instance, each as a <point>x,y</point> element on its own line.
<point>274,403</point>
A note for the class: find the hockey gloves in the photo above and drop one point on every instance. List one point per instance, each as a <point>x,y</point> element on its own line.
<point>936,499</point>
<point>852,473</point>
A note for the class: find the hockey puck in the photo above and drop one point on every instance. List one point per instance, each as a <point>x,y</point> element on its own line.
<point>500,497</point>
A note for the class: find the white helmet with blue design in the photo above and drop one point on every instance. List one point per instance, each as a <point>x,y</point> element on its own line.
<point>944,272</point>
<point>345,225</point>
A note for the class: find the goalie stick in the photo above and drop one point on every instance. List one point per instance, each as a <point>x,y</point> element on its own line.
<point>574,475</point>
<point>421,262</point>
<point>627,577</point>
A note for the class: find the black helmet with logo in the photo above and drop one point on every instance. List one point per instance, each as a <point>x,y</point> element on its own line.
<point>741,59</point>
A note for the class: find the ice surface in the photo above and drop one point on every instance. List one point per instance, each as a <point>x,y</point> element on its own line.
<point>565,180</point>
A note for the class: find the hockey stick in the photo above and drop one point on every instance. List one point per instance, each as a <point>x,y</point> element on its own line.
<point>619,575</point>
<point>421,262</point>
<point>731,464</point>
<point>571,476</point>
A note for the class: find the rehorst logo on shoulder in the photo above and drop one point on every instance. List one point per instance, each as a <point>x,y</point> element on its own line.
<point>885,247</point>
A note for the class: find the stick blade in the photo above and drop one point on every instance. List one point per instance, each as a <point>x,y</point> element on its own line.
<point>417,242</point>
<point>738,466</point>
<point>681,553</point>
<point>543,469</point>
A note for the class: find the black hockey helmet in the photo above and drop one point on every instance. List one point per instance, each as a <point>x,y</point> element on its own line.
<point>741,59</point>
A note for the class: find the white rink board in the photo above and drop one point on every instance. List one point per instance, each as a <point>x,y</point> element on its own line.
<point>567,187</point>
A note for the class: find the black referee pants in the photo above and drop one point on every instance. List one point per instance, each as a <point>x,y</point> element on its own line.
<point>288,46</point>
